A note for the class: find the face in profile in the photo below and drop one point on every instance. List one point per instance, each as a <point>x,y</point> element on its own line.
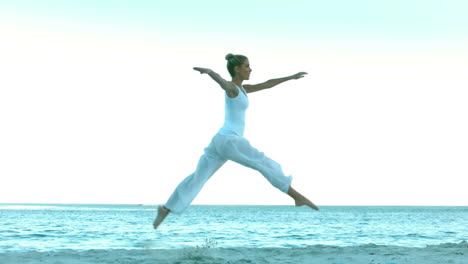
<point>244,70</point>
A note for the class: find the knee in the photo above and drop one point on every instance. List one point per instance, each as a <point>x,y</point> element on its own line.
<point>273,165</point>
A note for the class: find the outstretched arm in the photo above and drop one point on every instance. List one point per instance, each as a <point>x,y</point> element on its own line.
<point>223,83</point>
<point>250,88</point>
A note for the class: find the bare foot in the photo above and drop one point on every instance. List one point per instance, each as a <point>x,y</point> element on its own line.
<point>300,199</point>
<point>304,201</point>
<point>162,213</point>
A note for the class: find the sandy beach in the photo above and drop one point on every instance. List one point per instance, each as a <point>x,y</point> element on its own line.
<point>368,254</point>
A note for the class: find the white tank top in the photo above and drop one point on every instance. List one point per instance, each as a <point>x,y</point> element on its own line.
<point>234,113</point>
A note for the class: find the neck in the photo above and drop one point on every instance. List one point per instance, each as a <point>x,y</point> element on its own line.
<point>237,80</point>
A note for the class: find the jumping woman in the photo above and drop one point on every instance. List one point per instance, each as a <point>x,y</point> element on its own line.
<point>229,143</point>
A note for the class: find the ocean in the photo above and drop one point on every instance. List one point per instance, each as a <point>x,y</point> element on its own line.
<point>58,227</point>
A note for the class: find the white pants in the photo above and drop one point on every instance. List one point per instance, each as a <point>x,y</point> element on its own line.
<point>221,149</point>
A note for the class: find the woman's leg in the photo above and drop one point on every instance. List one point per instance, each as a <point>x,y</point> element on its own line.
<point>238,149</point>
<point>189,188</point>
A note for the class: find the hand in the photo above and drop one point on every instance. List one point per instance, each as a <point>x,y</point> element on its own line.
<point>202,70</point>
<point>298,75</point>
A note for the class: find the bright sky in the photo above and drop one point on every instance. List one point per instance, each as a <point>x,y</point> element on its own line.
<point>99,102</point>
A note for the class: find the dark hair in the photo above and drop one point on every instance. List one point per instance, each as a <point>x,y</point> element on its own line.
<point>233,61</point>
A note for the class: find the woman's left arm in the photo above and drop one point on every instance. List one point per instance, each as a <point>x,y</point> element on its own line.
<point>250,88</point>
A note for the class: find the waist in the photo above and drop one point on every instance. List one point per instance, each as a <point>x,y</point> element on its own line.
<point>230,129</point>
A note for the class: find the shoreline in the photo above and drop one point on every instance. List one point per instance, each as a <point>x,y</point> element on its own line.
<point>456,253</point>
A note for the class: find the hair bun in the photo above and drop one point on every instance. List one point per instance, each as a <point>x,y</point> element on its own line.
<point>229,56</point>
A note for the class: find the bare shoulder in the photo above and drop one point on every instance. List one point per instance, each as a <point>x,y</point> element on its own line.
<point>231,89</point>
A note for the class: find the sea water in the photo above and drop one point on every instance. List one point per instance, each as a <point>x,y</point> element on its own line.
<point>55,227</point>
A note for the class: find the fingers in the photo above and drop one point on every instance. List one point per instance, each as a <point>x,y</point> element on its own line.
<point>300,75</point>
<point>198,69</point>
<point>201,70</point>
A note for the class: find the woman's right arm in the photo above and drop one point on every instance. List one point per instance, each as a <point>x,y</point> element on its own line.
<point>227,86</point>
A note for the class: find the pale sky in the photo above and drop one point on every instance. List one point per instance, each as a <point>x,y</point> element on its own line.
<point>99,102</point>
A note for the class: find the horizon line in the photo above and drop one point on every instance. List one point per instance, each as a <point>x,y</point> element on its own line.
<point>148,205</point>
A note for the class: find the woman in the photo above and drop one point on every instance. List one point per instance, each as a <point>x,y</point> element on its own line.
<point>229,143</point>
